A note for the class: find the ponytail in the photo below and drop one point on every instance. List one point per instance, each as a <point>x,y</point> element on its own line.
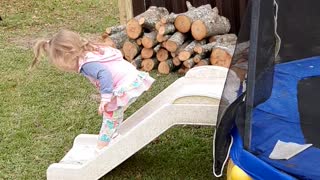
<point>40,47</point>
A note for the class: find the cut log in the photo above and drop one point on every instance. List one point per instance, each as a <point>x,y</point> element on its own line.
<point>146,53</point>
<point>162,38</point>
<point>137,62</point>
<point>115,29</point>
<point>176,61</point>
<point>168,18</point>
<point>189,63</point>
<point>149,18</point>
<point>149,64</point>
<point>175,41</point>
<point>139,41</point>
<point>208,47</point>
<point>133,28</point>
<point>167,29</point>
<point>183,70</point>
<point>212,24</point>
<point>184,45</point>
<point>189,6</point>
<point>116,40</point>
<point>149,52</point>
<point>131,49</point>
<point>203,62</point>
<point>186,53</point>
<point>223,38</point>
<point>149,39</point>
<point>183,21</point>
<point>221,56</point>
<point>162,54</point>
<point>198,57</point>
<point>158,25</point>
<point>204,48</point>
<point>165,67</point>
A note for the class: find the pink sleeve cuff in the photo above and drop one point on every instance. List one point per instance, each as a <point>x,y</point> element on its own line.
<point>106,97</point>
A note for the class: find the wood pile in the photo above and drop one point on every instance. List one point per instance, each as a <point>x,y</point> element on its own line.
<point>157,39</point>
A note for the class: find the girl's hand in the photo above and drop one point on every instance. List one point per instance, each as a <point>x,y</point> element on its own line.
<point>102,107</point>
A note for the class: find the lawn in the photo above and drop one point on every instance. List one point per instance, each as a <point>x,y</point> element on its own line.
<point>41,111</point>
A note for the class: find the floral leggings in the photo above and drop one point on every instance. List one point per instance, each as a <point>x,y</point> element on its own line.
<point>111,123</point>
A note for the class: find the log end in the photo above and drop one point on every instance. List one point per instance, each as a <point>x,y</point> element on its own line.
<point>220,57</point>
<point>162,54</point>
<point>183,23</point>
<point>164,68</point>
<point>184,55</point>
<point>198,30</point>
<point>146,53</point>
<point>162,29</point>
<point>171,46</point>
<point>198,49</point>
<point>133,29</point>
<point>147,42</point>
<point>130,50</point>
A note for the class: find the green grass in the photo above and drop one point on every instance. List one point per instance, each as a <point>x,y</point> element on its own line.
<point>41,111</point>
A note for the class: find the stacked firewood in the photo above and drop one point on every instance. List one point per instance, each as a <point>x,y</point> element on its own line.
<point>156,39</point>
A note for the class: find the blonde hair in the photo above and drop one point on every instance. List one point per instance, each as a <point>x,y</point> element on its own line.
<point>64,50</point>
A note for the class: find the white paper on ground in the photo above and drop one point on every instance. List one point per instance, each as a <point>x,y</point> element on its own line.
<point>286,150</point>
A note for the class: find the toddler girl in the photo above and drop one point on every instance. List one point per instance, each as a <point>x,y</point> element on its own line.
<point>118,81</point>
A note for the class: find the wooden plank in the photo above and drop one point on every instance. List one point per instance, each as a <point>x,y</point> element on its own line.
<point>125,10</point>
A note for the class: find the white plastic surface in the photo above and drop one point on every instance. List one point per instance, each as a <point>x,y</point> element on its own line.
<point>193,99</point>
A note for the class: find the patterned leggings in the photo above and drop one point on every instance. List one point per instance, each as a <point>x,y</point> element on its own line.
<point>111,123</point>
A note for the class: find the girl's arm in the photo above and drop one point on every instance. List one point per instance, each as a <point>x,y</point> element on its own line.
<point>98,72</point>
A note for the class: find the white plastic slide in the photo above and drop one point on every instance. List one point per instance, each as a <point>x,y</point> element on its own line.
<point>192,99</point>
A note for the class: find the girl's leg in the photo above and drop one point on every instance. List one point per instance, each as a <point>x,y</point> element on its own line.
<point>109,126</point>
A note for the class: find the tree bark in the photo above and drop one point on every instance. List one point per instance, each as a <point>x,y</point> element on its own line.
<point>189,63</point>
<point>149,64</point>
<point>131,49</point>
<point>198,57</point>
<point>116,40</point>
<point>223,38</point>
<point>162,38</point>
<point>186,53</point>
<point>137,62</point>
<point>167,29</point>
<point>165,67</point>
<point>149,39</point>
<point>208,47</point>
<point>212,24</point>
<point>183,21</point>
<point>115,29</point>
<point>175,41</point>
<point>149,18</point>
<point>203,62</point>
<point>168,18</point>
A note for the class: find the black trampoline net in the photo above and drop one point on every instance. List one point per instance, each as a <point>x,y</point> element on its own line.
<point>272,32</point>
